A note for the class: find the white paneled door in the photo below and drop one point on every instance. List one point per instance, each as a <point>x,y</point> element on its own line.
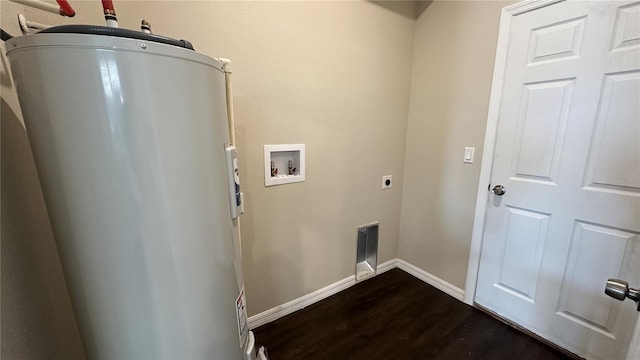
<point>568,155</point>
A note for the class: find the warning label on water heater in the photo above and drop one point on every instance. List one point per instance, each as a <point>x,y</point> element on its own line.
<point>241,313</point>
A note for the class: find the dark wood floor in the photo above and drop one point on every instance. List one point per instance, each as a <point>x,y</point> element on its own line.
<point>396,316</point>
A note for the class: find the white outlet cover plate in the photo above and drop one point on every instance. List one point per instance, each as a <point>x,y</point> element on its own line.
<point>384,182</point>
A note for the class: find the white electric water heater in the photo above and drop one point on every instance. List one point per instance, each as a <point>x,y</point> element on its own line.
<point>129,133</point>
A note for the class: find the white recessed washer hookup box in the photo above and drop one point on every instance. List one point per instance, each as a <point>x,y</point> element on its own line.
<point>283,164</point>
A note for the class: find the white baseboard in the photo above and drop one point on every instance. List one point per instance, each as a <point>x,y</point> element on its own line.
<point>311,298</point>
<point>386,266</point>
<point>432,280</point>
<point>300,303</point>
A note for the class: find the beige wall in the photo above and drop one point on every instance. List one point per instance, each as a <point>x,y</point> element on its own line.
<point>332,75</point>
<point>454,51</point>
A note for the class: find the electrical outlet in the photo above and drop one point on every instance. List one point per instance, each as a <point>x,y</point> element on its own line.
<point>386,182</point>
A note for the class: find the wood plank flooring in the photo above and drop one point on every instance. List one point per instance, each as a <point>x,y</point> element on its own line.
<point>396,316</point>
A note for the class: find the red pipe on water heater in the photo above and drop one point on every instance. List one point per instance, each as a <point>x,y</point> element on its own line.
<point>66,9</point>
<point>107,5</point>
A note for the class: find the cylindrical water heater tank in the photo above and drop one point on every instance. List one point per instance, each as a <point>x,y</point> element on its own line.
<point>129,140</point>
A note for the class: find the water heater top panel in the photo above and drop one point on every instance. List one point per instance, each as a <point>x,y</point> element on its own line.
<point>116,32</point>
<point>89,36</point>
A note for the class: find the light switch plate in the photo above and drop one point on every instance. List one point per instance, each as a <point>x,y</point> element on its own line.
<point>468,154</point>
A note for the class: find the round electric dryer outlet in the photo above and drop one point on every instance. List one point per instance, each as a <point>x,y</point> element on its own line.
<point>387,182</point>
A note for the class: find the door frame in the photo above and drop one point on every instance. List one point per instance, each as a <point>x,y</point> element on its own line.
<point>506,17</point>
